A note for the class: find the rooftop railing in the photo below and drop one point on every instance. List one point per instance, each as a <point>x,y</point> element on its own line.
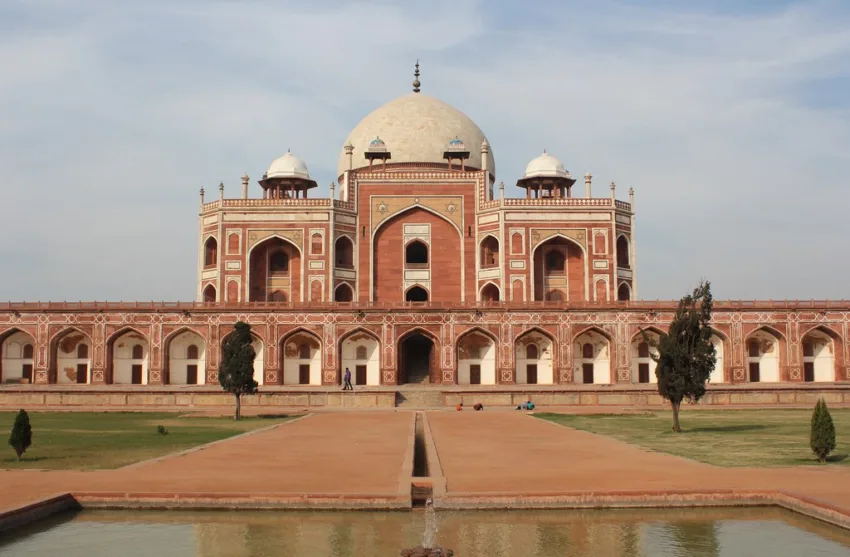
<point>641,305</point>
<point>247,203</point>
<point>325,202</point>
<point>568,202</point>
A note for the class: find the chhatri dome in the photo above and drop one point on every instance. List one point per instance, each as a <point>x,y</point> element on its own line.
<point>415,128</point>
<point>546,166</point>
<point>288,166</point>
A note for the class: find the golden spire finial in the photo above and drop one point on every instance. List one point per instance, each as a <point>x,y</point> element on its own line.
<point>416,83</point>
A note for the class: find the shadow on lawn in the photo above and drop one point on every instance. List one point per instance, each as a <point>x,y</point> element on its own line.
<point>730,428</point>
<point>14,460</point>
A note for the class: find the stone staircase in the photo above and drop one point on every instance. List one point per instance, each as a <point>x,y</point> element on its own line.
<point>430,397</point>
<point>417,373</point>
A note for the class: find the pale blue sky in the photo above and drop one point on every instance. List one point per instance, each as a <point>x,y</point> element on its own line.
<point>730,119</point>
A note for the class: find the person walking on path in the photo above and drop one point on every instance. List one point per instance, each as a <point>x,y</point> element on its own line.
<point>347,386</point>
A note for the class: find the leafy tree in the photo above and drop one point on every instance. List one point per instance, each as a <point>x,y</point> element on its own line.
<point>21,437</point>
<point>685,355</point>
<point>236,374</point>
<point>822,440</point>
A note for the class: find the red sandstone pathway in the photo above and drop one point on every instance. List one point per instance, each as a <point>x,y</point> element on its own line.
<point>513,453</point>
<point>354,454</point>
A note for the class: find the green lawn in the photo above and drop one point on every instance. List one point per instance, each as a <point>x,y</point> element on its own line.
<point>721,437</point>
<point>92,440</point>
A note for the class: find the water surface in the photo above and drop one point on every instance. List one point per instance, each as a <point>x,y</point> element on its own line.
<point>626,533</point>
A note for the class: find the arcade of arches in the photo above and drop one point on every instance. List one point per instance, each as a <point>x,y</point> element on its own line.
<point>477,356</point>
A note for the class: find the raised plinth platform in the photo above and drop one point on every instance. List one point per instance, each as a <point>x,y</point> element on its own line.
<point>408,397</point>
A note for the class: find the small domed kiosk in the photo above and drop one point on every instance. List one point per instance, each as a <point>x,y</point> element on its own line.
<point>287,178</point>
<point>547,178</point>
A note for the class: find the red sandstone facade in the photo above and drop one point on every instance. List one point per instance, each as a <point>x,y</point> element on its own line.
<point>416,269</point>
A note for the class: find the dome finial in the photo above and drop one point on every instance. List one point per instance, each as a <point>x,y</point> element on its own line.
<point>416,83</point>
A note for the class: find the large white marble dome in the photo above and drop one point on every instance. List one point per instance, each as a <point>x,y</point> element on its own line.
<point>416,128</point>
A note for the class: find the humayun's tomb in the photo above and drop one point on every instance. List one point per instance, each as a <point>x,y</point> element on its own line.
<point>416,270</point>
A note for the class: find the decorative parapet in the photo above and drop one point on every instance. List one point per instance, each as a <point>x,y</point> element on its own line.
<point>348,205</point>
<point>248,203</point>
<point>567,202</point>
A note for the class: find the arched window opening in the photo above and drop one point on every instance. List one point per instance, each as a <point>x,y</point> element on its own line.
<point>531,352</point>
<point>82,351</point>
<point>623,293</point>
<point>555,296</point>
<point>28,351</point>
<point>278,296</point>
<point>316,244</point>
<point>489,252</point>
<point>278,263</point>
<point>344,252</point>
<point>490,293</point>
<point>138,352</point>
<point>209,294</point>
<point>623,252</point>
<point>643,350</point>
<point>304,351</point>
<point>416,253</point>
<point>416,294</point>
<point>361,353</point>
<point>233,243</point>
<point>210,252</point>
<point>192,352</point>
<point>587,350</point>
<point>555,261</point>
<point>343,293</point>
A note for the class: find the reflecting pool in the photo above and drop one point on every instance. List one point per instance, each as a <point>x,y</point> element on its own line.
<point>624,533</point>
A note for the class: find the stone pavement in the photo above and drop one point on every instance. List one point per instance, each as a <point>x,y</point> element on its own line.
<point>367,457</point>
<point>325,454</point>
<point>515,454</point>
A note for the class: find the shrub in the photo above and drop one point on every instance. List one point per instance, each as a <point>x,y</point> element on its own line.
<point>21,437</point>
<point>822,440</point>
<point>161,430</point>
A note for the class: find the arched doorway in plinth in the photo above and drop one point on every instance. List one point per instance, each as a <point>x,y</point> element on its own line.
<point>418,358</point>
<point>476,358</point>
<point>301,358</point>
<point>360,352</point>
<point>17,357</point>
<point>71,358</point>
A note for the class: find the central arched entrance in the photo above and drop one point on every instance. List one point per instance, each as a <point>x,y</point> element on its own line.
<point>416,359</point>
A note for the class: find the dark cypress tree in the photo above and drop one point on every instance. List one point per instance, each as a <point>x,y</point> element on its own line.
<point>686,355</point>
<point>236,374</point>
<point>822,440</point>
<point>21,437</point>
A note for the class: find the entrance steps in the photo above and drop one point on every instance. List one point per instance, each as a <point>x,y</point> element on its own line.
<point>419,398</point>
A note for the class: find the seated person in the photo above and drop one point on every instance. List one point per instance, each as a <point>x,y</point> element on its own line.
<point>528,405</point>
<point>460,407</point>
<point>478,406</point>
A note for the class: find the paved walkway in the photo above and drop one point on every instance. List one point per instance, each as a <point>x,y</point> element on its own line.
<point>351,454</point>
<point>367,454</point>
<point>517,454</point>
